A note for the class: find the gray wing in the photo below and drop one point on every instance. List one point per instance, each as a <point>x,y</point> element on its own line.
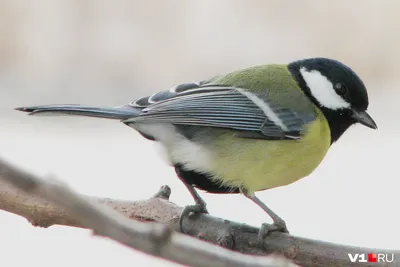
<point>252,116</point>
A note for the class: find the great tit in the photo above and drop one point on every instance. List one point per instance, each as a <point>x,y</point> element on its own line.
<point>248,130</point>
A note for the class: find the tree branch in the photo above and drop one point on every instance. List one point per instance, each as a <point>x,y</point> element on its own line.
<point>157,239</point>
<point>153,238</point>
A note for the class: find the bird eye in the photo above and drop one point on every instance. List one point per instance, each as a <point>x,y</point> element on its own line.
<point>340,89</point>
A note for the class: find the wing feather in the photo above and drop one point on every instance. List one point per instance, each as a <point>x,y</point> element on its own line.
<point>221,107</point>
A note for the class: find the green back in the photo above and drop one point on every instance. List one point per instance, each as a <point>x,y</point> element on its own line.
<point>274,82</point>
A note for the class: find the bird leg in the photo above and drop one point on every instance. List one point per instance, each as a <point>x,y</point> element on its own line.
<point>199,207</point>
<point>278,223</point>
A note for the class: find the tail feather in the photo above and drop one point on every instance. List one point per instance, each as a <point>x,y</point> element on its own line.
<point>121,113</point>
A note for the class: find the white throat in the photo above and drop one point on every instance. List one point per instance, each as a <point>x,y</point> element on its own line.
<point>322,89</point>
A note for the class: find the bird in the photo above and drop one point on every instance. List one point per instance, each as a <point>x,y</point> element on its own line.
<point>247,130</point>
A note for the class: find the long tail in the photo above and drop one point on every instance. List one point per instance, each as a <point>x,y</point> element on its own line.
<point>121,113</point>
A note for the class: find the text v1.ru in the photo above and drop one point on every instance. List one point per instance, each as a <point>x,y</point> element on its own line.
<point>371,257</point>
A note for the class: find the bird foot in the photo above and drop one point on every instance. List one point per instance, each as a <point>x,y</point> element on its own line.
<point>277,226</point>
<point>199,207</point>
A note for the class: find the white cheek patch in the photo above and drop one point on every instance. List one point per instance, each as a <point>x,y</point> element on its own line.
<point>322,89</point>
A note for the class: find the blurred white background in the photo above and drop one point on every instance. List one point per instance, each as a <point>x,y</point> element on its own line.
<point>110,52</point>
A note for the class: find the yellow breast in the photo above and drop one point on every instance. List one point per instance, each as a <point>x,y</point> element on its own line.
<point>261,164</point>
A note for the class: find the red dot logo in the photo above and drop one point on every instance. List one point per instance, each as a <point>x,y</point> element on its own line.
<point>371,257</point>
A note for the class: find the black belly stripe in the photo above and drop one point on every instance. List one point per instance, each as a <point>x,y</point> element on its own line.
<point>203,181</point>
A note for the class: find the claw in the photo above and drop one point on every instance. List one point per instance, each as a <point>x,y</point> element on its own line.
<point>198,208</point>
<point>281,226</point>
<point>266,228</point>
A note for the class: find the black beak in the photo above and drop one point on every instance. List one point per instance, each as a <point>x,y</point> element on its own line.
<point>364,118</point>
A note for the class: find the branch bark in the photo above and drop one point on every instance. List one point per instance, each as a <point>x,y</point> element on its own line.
<point>45,203</point>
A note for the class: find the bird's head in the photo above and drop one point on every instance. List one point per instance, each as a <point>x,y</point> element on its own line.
<point>337,90</point>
